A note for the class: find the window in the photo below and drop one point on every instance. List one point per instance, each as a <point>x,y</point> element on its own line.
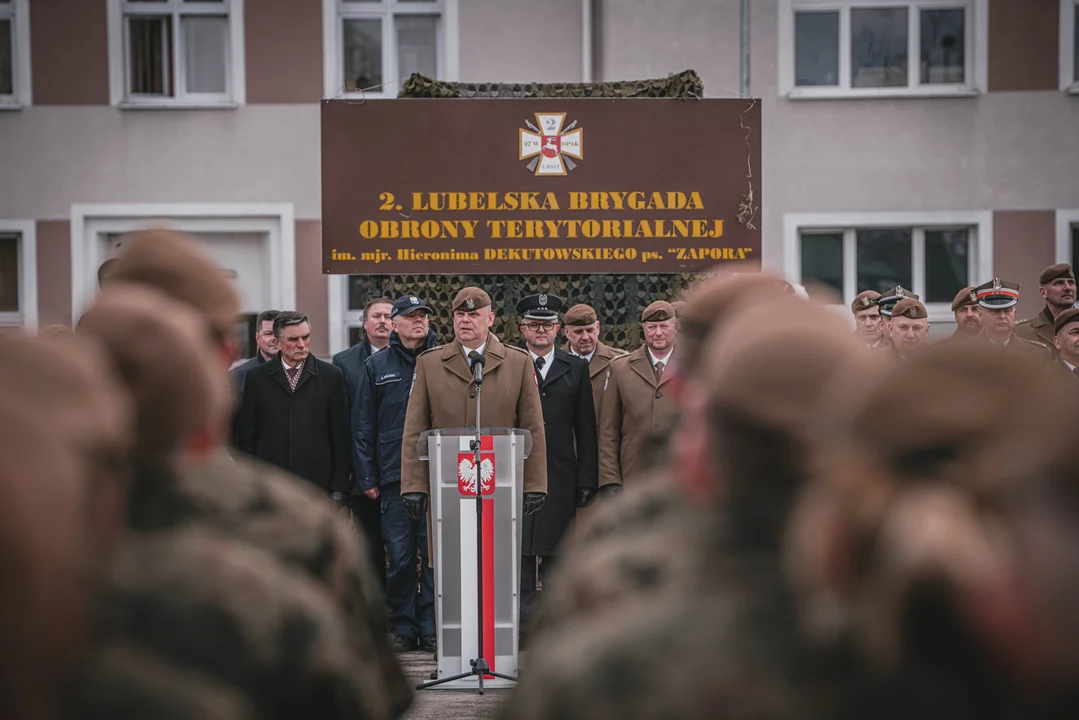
<point>935,255</point>
<point>1067,243</point>
<point>180,52</point>
<point>18,268</point>
<point>1069,46</point>
<point>14,53</point>
<point>858,48</point>
<point>377,44</point>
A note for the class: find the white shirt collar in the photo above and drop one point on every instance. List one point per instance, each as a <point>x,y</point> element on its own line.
<point>289,367</point>
<point>665,359</point>
<point>587,358</point>
<point>1070,366</point>
<point>546,361</point>
<point>480,349</point>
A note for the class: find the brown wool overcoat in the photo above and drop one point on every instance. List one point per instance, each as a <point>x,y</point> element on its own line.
<point>598,370</point>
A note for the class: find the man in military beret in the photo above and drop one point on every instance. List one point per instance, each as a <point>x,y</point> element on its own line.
<point>968,315</point>
<point>444,396</point>
<point>1056,285</point>
<point>1066,340</point>
<point>890,297</point>
<point>908,327</point>
<point>635,403</point>
<point>998,299</point>
<point>582,340</point>
<point>870,326</point>
<point>569,422</point>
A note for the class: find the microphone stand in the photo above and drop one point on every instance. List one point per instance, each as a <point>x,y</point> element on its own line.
<point>479,664</point>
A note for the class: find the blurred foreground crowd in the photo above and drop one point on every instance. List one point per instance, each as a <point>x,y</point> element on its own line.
<point>820,531</point>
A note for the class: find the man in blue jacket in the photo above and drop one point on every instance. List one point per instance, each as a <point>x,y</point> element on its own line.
<point>378,419</point>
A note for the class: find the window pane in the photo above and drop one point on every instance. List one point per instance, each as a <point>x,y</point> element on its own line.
<point>822,259</point>
<point>816,48</point>
<point>943,46</point>
<point>947,256</point>
<point>206,53</point>
<point>7,76</point>
<point>1075,244</point>
<point>884,258</point>
<point>363,54</point>
<point>360,290</point>
<point>150,63</point>
<point>9,273</point>
<point>417,44</point>
<point>878,47</point>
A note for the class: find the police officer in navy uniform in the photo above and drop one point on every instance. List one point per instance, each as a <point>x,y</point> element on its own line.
<point>569,421</point>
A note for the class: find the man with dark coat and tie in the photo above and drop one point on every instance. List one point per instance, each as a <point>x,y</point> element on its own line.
<point>569,424</point>
<point>294,414</point>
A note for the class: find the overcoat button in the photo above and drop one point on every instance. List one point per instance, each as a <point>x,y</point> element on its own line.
<point>658,396</point>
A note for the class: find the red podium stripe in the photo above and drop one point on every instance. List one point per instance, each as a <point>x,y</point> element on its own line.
<point>489,583</point>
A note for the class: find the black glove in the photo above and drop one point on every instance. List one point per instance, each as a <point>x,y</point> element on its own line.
<point>534,501</point>
<point>415,504</point>
<point>610,490</point>
<point>340,503</point>
<point>585,496</point>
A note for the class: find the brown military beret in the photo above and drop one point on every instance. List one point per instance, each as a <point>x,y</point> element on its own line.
<point>179,267</point>
<point>864,300</point>
<point>909,308</point>
<point>658,311</point>
<point>1051,273</point>
<point>1068,316</point>
<point>470,298</point>
<point>580,314</point>
<point>679,306</point>
<point>963,298</point>
<point>161,350</point>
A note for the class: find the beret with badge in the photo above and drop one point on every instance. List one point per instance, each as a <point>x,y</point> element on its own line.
<point>1065,318</point>
<point>891,296</point>
<point>909,308</point>
<point>540,307</point>
<point>998,294</point>
<point>864,300</point>
<point>1053,272</point>
<point>470,298</point>
<point>658,311</point>
<point>963,298</point>
<point>580,314</point>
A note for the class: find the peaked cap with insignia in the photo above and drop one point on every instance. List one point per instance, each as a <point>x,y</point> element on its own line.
<point>864,300</point>
<point>540,307</point>
<point>471,298</point>
<point>890,297</point>
<point>998,294</point>
<point>963,298</point>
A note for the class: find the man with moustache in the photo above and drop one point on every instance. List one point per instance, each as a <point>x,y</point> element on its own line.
<point>998,299</point>
<point>1056,285</point>
<point>908,328</point>
<point>867,319</point>
<point>968,315</point>
<point>569,422</point>
<point>444,396</point>
<point>635,402</point>
<point>1066,341</point>
<point>376,337</point>
<point>378,419</point>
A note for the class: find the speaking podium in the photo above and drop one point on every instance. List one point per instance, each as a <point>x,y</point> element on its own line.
<point>454,480</point>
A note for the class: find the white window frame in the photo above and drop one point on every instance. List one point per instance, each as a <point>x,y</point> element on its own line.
<point>335,12</point>
<point>18,11</point>
<point>1068,81</point>
<point>27,315</point>
<point>1066,221</point>
<point>976,45</point>
<point>979,223</point>
<point>92,223</point>
<point>235,90</point>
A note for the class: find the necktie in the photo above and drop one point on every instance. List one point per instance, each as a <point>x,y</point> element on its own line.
<point>539,365</point>
<point>293,375</point>
<point>1075,371</point>
<point>659,370</point>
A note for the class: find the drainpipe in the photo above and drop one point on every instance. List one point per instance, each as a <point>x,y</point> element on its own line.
<point>744,50</point>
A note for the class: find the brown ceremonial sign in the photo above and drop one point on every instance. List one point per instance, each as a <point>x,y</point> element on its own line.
<point>540,186</point>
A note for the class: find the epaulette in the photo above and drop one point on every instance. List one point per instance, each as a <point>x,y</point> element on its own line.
<point>436,347</point>
<point>1023,322</point>
<point>1036,343</point>
<point>515,349</point>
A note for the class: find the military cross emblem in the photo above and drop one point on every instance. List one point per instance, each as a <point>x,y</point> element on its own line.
<point>551,148</point>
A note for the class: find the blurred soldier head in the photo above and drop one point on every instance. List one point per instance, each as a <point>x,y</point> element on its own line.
<point>1066,339</point>
<point>472,317</point>
<point>104,270</point>
<point>411,320</point>
<point>540,325</point>
<point>967,311</point>
<point>870,326</point>
<point>582,329</point>
<point>292,331</point>
<point>998,299</point>
<point>908,327</point>
<point>659,326</point>
<point>1056,285</point>
<point>264,337</point>
<point>377,321</point>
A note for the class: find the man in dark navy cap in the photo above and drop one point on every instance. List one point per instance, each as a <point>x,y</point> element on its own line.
<point>569,423</point>
<point>378,421</point>
<point>890,297</point>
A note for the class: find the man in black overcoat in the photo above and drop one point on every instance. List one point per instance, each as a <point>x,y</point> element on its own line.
<point>569,421</point>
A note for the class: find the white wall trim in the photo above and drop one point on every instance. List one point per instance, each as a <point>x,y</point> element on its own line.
<point>980,220</point>
<point>451,42</point>
<point>89,221</point>
<point>586,41</point>
<point>338,297</point>
<point>28,301</point>
<point>1068,81</point>
<point>19,12</point>
<point>1066,220</point>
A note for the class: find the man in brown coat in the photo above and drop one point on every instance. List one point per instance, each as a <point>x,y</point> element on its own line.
<point>968,315</point>
<point>998,299</point>
<point>582,340</point>
<point>444,396</point>
<point>635,401</point>
<point>1056,285</point>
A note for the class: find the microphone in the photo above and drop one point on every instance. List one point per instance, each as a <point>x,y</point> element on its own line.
<point>476,361</point>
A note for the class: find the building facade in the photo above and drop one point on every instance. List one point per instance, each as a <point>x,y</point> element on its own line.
<point>929,143</point>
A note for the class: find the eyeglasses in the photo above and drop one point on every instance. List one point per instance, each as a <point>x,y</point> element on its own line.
<point>536,327</point>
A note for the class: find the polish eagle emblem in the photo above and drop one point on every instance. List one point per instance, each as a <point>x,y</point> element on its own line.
<point>466,471</point>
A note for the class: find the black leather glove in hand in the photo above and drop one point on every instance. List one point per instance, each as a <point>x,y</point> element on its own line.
<point>533,501</point>
<point>585,496</point>
<point>415,504</point>
<point>610,490</point>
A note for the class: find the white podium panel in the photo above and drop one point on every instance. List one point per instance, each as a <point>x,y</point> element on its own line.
<point>458,568</point>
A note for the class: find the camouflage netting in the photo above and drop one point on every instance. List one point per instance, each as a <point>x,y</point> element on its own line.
<point>686,85</point>
<point>618,299</point>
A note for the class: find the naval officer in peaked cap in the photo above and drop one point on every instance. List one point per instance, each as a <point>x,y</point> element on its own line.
<point>998,299</point>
